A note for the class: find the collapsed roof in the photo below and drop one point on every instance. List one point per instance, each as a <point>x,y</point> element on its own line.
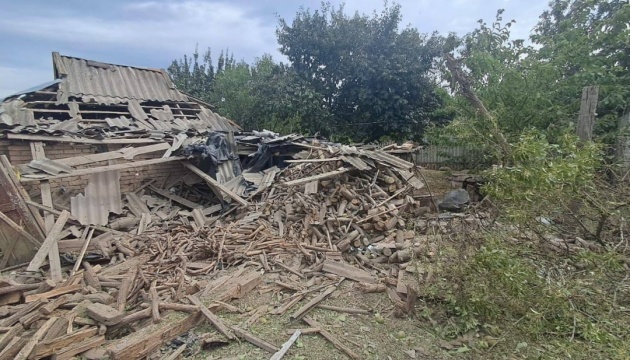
<point>90,99</point>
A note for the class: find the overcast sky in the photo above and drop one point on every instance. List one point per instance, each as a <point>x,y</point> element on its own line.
<point>153,33</point>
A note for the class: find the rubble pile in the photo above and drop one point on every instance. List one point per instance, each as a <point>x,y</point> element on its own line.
<point>334,214</point>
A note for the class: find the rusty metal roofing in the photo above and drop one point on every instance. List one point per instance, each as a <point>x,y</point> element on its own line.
<point>102,196</point>
<point>110,84</point>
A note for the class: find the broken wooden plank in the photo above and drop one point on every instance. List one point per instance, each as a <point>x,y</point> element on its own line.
<point>53,305</point>
<point>53,293</point>
<point>68,139</point>
<point>126,153</point>
<point>143,342</point>
<point>214,184</point>
<point>316,300</point>
<point>75,349</point>
<point>39,334</point>
<point>14,332</point>
<point>10,298</point>
<point>317,177</point>
<point>178,199</point>
<point>37,153</point>
<point>332,338</point>
<point>125,288</point>
<point>24,310</point>
<point>254,340</point>
<point>305,331</point>
<point>155,302</point>
<point>99,169</point>
<point>344,310</point>
<point>215,320</point>
<point>285,347</point>
<point>52,238</point>
<point>104,314</point>
<point>52,346</point>
<point>348,271</point>
<point>36,243</point>
<point>18,287</point>
<point>12,348</point>
<point>86,244</point>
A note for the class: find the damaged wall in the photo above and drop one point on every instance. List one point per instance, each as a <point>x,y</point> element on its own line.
<point>19,152</point>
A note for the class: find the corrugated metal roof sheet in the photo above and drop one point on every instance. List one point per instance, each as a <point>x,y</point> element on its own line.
<point>13,114</point>
<point>214,121</point>
<point>49,166</point>
<point>110,84</point>
<point>390,159</point>
<point>32,89</point>
<point>121,122</point>
<point>102,196</point>
<point>356,162</point>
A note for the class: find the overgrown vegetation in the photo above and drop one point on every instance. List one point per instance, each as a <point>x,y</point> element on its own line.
<point>547,275</point>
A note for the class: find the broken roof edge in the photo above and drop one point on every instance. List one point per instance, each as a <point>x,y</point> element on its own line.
<point>60,69</point>
<point>31,90</point>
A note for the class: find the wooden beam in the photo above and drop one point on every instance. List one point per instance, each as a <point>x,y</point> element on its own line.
<point>67,139</point>
<point>53,293</point>
<point>215,320</point>
<point>51,346</point>
<point>39,334</point>
<point>317,177</point>
<point>215,185</point>
<point>332,338</point>
<point>286,345</point>
<point>100,169</point>
<point>348,271</point>
<point>126,153</point>
<point>143,342</point>
<point>48,243</point>
<point>178,199</point>
<point>75,349</point>
<point>255,340</point>
<point>316,300</point>
<point>37,152</point>
<point>19,229</point>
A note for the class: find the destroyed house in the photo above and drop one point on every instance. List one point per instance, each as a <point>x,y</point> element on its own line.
<point>117,127</point>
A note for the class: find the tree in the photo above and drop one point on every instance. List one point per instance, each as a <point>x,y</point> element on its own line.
<point>193,76</point>
<point>373,78</point>
<point>587,42</point>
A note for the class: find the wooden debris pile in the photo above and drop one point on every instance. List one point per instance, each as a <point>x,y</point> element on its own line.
<point>334,214</point>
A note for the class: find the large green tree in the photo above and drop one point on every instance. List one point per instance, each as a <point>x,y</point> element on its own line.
<point>195,74</point>
<point>373,78</point>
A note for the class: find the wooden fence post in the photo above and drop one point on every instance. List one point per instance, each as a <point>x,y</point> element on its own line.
<point>588,106</point>
<point>623,143</point>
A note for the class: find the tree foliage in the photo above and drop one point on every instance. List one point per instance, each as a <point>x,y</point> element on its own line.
<point>372,78</point>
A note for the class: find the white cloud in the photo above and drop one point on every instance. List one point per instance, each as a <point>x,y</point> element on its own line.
<point>171,27</point>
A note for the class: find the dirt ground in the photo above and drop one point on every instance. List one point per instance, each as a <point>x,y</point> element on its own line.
<point>379,335</point>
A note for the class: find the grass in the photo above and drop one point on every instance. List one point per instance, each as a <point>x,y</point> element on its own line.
<point>483,295</point>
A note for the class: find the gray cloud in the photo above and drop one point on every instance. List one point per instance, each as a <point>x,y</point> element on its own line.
<point>152,33</point>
